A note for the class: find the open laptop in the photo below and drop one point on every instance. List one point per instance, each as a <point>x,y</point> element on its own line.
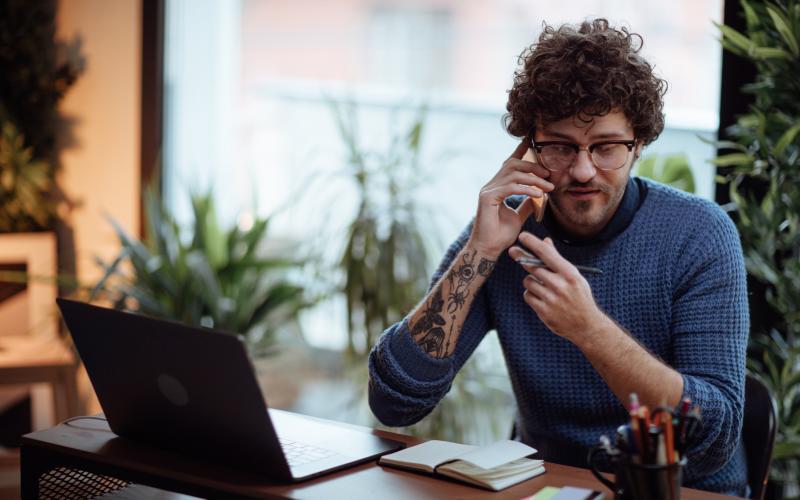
<point>194,390</point>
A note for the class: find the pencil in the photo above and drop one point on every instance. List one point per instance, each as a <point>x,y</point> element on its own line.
<point>665,420</point>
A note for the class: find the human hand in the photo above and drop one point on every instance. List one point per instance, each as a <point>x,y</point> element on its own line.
<point>558,293</point>
<point>496,225</point>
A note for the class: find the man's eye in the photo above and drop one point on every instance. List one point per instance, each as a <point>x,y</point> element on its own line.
<point>561,149</point>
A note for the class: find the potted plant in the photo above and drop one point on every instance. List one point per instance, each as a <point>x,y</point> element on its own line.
<point>763,174</point>
<point>205,274</point>
<point>386,258</point>
<point>36,72</point>
<point>386,268</point>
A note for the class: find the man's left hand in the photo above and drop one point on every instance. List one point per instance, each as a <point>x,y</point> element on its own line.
<point>558,293</point>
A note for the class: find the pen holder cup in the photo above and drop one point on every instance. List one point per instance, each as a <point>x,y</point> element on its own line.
<point>638,481</point>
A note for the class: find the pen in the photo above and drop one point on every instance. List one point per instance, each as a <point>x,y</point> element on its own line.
<point>693,423</point>
<point>669,443</point>
<point>643,421</point>
<point>639,437</point>
<point>661,457</point>
<point>622,440</point>
<point>634,451</point>
<point>685,404</point>
<point>606,444</point>
<point>634,402</point>
<point>539,263</point>
<point>644,416</point>
<point>653,445</point>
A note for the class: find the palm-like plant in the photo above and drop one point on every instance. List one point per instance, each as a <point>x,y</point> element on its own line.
<point>386,264</point>
<point>206,276</point>
<point>386,260</point>
<point>764,179</point>
<point>777,365</point>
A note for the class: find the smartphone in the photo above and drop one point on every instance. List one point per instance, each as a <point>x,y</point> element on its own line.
<point>539,204</point>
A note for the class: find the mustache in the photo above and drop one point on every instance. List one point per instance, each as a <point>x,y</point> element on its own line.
<point>584,185</point>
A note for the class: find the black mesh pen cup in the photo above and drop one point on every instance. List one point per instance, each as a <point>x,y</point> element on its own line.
<point>640,481</point>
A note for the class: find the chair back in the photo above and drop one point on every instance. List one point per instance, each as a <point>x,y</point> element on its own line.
<point>759,426</point>
<point>758,433</point>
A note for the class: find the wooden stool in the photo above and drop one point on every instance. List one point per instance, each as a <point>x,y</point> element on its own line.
<point>31,360</point>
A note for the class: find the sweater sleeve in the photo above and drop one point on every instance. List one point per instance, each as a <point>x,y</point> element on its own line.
<point>710,324</point>
<point>406,383</point>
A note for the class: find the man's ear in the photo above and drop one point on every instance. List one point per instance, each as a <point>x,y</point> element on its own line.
<point>637,151</point>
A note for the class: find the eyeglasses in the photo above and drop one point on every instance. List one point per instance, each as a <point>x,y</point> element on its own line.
<point>561,155</point>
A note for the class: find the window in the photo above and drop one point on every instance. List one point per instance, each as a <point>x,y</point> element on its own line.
<point>248,85</point>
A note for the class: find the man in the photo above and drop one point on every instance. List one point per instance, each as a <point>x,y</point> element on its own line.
<point>666,319</point>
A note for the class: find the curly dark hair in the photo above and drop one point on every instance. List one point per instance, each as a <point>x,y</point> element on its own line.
<point>585,72</point>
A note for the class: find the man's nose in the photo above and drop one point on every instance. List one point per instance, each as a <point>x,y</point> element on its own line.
<point>583,170</point>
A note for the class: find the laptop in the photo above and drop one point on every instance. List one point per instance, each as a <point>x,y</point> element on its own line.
<point>194,391</point>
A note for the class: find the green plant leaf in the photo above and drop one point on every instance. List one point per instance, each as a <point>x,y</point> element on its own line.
<point>673,170</point>
<point>278,296</point>
<point>724,144</point>
<point>208,234</point>
<point>786,449</point>
<point>737,41</point>
<point>751,18</point>
<point>733,159</point>
<point>770,53</point>
<point>110,270</point>
<point>786,139</point>
<point>25,184</point>
<point>782,25</point>
<point>147,303</point>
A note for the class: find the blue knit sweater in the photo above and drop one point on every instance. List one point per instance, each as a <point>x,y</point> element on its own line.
<point>673,278</point>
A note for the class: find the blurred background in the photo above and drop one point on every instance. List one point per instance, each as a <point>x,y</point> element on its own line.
<point>275,105</point>
<point>292,171</point>
<point>248,88</point>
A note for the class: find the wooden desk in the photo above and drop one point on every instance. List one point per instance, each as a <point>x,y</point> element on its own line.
<point>89,445</point>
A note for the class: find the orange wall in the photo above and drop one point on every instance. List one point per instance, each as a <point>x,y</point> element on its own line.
<point>101,170</point>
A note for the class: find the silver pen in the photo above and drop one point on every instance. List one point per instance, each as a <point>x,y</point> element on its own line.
<point>530,261</point>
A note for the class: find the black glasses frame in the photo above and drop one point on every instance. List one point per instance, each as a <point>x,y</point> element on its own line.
<point>630,144</point>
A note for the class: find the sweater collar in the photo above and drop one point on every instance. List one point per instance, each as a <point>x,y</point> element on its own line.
<point>635,192</point>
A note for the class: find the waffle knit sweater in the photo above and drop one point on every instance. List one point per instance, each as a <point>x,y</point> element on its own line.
<point>673,277</point>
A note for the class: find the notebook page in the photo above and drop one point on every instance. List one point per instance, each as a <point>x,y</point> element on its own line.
<point>430,453</point>
<point>499,453</point>
<point>497,478</point>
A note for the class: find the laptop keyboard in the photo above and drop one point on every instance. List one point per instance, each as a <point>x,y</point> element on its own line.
<point>301,453</point>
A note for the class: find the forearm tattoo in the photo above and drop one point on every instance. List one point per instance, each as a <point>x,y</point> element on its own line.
<point>486,267</point>
<point>459,279</point>
<point>429,330</point>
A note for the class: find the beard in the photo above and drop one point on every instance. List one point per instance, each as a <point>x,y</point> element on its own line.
<point>589,214</point>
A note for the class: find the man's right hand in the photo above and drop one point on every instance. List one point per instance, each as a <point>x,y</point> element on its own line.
<point>496,225</point>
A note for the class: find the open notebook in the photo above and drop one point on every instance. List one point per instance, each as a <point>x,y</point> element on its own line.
<point>495,467</point>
